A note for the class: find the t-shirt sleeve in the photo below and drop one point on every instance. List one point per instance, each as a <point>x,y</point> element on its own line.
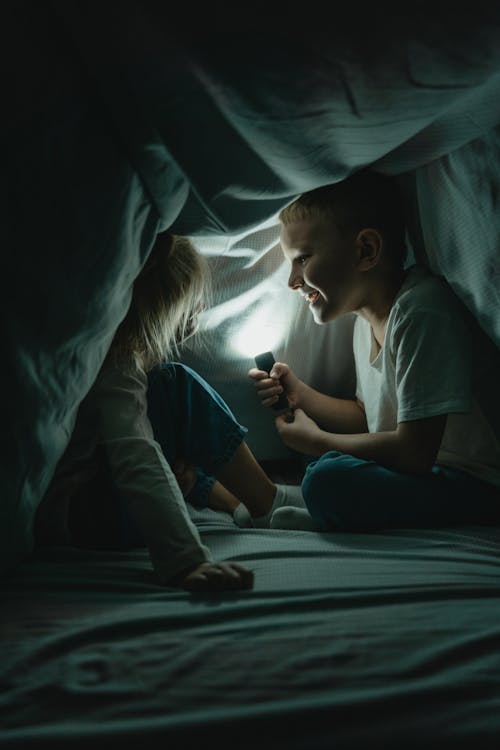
<point>142,475</point>
<point>432,355</point>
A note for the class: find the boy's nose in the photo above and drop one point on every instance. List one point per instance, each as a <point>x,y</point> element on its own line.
<point>295,282</point>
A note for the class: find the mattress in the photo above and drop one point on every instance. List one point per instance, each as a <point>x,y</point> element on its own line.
<point>347,640</point>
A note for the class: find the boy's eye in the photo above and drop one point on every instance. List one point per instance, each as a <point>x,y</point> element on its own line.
<point>301,259</point>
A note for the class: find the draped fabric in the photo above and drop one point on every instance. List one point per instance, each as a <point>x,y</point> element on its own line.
<point>116,126</point>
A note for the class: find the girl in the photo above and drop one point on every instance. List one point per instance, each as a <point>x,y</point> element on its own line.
<point>152,433</point>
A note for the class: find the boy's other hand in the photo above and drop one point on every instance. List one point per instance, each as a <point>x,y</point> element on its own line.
<point>302,435</point>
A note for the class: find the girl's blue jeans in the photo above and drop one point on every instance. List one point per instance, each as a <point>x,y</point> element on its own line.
<point>191,421</point>
<point>348,494</point>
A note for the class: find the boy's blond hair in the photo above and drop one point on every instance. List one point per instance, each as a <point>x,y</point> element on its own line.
<point>365,199</point>
<point>167,296</point>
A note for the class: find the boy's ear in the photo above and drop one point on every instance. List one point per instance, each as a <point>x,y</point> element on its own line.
<point>369,244</point>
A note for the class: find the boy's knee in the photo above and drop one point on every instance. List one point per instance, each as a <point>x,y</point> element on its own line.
<point>331,472</point>
<point>331,492</point>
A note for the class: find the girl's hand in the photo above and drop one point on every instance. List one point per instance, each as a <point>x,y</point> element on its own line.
<point>218,576</point>
<point>302,435</point>
<point>269,386</point>
<point>185,473</point>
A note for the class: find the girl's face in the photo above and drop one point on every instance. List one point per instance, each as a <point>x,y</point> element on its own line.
<point>324,268</point>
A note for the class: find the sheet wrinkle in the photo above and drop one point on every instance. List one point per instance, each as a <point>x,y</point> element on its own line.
<point>397,632</point>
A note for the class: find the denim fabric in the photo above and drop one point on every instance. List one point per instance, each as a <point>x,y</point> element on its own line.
<point>191,421</point>
<point>348,494</point>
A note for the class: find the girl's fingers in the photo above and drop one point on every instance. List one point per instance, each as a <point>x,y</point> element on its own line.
<point>218,576</point>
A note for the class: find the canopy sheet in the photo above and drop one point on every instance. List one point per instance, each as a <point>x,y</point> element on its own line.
<point>116,126</point>
<point>347,641</point>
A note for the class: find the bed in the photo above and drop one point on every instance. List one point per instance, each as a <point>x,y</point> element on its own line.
<point>116,128</point>
<point>382,640</point>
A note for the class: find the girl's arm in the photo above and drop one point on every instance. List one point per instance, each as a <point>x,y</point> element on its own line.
<point>143,478</point>
<point>147,485</point>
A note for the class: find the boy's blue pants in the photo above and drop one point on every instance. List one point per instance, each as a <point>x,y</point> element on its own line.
<point>348,494</point>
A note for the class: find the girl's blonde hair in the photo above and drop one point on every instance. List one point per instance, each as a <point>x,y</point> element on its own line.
<point>167,296</point>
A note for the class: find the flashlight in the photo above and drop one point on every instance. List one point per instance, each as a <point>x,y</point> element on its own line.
<point>265,361</point>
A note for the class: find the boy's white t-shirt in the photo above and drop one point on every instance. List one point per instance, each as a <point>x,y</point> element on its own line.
<point>424,369</point>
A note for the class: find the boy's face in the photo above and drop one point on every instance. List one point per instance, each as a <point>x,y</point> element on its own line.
<point>323,267</point>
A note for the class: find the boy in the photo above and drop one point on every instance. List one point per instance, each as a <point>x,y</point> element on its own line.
<point>412,449</point>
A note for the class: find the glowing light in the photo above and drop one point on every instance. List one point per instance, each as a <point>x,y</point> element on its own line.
<point>259,333</point>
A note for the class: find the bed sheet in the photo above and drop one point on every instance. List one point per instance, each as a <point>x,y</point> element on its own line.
<point>347,641</point>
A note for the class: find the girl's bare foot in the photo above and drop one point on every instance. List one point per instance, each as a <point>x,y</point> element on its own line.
<point>185,473</point>
<point>222,499</point>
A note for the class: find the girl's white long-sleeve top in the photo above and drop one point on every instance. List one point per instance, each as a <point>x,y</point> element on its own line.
<point>114,417</point>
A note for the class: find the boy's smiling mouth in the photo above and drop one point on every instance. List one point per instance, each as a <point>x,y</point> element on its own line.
<point>309,294</point>
<point>313,297</point>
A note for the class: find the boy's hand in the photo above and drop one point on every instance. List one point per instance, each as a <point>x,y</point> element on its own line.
<point>281,378</point>
<point>302,435</point>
